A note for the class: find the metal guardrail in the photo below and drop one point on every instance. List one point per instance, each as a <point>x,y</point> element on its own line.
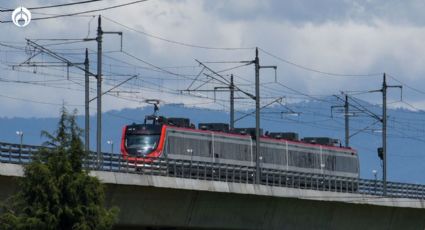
<point>13,153</point>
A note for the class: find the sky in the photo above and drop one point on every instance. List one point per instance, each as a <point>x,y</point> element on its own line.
<point>320,48</point>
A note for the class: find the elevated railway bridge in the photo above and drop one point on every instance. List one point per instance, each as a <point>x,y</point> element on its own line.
<point>186,194</point>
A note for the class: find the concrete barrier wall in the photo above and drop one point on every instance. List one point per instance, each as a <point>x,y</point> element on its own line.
<point>160,207</point>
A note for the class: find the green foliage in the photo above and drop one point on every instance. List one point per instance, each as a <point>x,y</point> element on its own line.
<point>56,192</point>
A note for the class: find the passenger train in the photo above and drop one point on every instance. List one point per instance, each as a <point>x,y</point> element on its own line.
<point>176,138</point>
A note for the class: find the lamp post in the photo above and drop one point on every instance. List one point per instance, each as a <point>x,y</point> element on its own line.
<point>375,175</point>
<point>110,142</point>
<point>190,151</point>
<point>322,168</point>
<point>20,133</point>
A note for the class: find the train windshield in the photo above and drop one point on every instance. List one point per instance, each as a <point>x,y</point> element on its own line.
<point>141,144</point>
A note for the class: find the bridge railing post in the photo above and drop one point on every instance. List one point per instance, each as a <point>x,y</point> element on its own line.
<point>110,162</point>
<point>226,173</point>
<point>329,183</point>
<point>422,192</point>
<point>219,171</point>
<point>206,170</point>
<point>197,169</point>
<point>233,173</point>
<point>126,166</point>
<point>248,174</point>
<point>119,162</point>
<point>19,154</point>
<point>10,153</point>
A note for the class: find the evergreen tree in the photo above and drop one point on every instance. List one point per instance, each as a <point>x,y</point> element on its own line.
<point>56,192</point>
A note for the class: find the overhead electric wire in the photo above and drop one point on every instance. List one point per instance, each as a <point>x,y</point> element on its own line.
<point>412,106</point>
<point>360,107</point>
<point>171,90</point>
<point>233,68</point>
<point>177,42</point>
<point>301,93</point>
<point>34,101</point>
<point>156,67</point>
<point>11,46</point>
<point>53,6</point>
<point>406,85</point>
<point>298,92</point>
<point>315,70</point>
<point>81,16</point>
<point>62,43</point>
<point>82,12</point>
<point>161,70</point>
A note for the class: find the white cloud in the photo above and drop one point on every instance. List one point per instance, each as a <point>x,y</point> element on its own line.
<point>338,43</point>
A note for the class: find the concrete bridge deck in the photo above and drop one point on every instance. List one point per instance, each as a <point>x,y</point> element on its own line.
<point>157,202</point>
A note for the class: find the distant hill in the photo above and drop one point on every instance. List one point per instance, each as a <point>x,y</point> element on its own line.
<point>406,141</point>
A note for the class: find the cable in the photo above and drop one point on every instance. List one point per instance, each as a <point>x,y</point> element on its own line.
<point>177,42</point>
<point>81,16</point>
<point>411,106</point>
<point>301,93</point>
<point>11,46</point>
<point>37,102</point>
<point>83,12</point>
<point>364,109</point>
<point>155,66</point>
<point>318,71</point>
<point>63,43</point>
<point>232,68</point>
<point>408,86</point>
<point>54,6</point>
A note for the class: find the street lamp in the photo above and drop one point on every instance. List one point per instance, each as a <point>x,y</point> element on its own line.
<point>190,151</point>
<point>110,142</point>
<point>375,175</point>
<point>322,168</point>
<point>20,133</point>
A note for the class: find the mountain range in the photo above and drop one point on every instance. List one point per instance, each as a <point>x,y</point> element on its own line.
<point>406,129</point>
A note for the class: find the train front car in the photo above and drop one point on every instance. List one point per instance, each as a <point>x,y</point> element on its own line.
<point>142,143</point>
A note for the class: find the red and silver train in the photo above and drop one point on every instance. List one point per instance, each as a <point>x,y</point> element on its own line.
<point>176,138</point>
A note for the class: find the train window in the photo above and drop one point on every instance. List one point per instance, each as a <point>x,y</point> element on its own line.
<point>304,159</point>
<point>142,143</point>
<point>330,162</point>
<point>346,164</point>
<point>180,145</point>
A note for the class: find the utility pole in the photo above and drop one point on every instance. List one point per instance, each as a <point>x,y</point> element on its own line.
<point>255,97</point>
<point>232,103</point>
<point>384,130</point>
<point>87,74</point>
<point>257,117</point>
<point>98,39</point>
<point>99,91</point>
<point>347,115</point>
<point>384,135</point>
<point>98,76</point>
<point>347,126</point>
<point>86,104</point>
<point>258,156</point>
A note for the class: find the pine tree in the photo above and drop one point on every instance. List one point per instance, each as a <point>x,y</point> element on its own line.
<point>56,192</point>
